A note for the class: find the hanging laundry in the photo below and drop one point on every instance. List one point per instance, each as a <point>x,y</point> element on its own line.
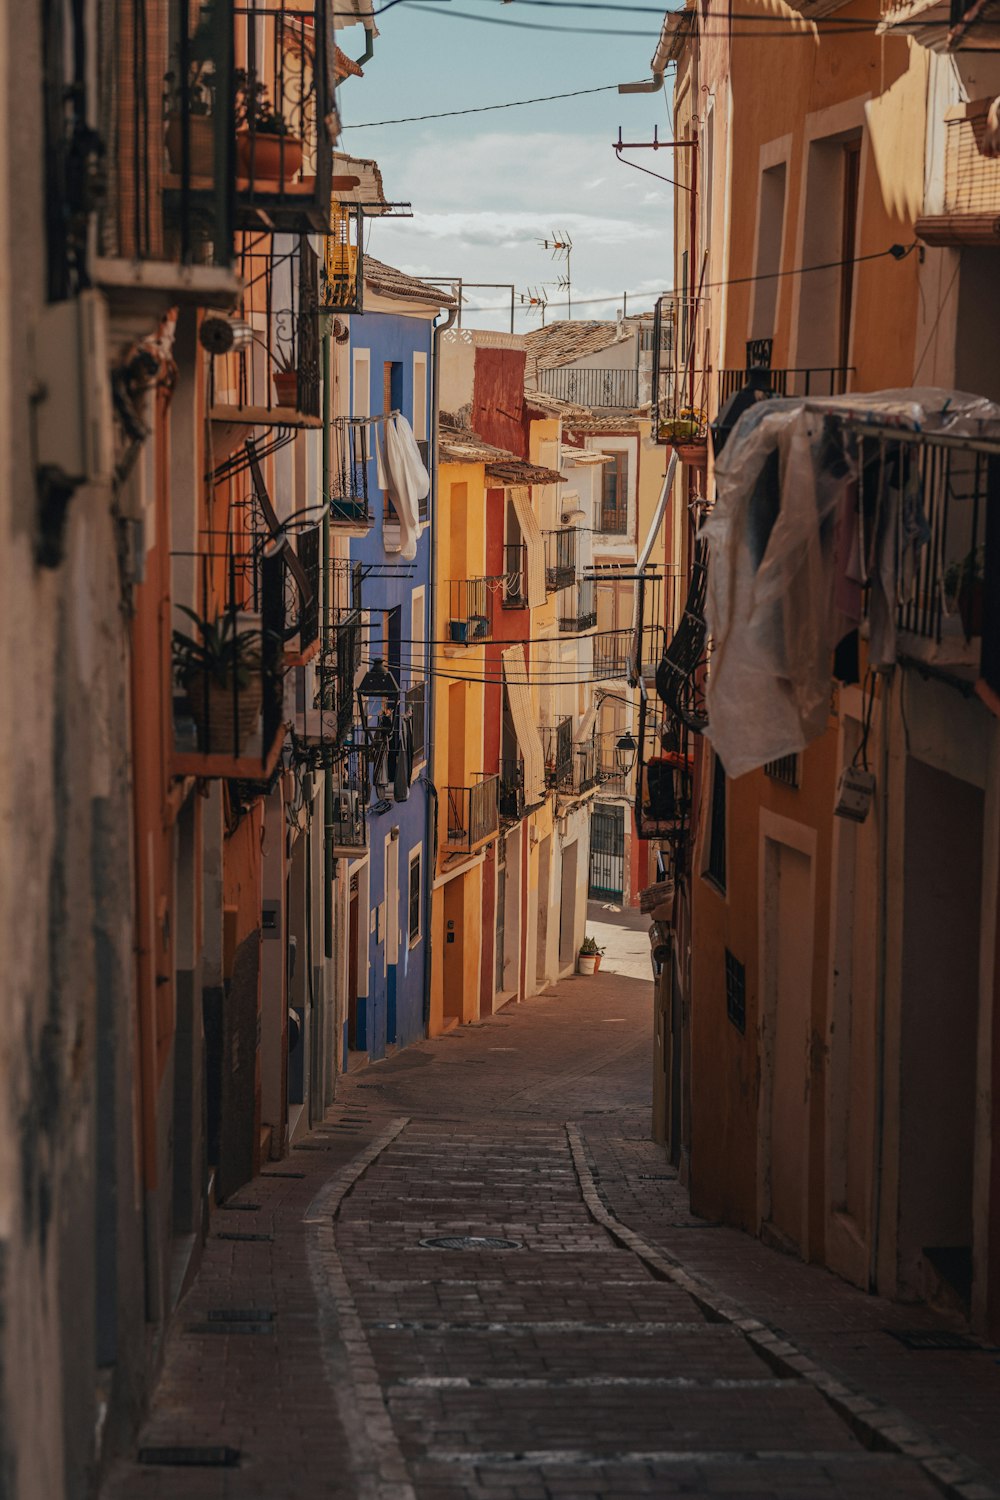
<point>405,479</point>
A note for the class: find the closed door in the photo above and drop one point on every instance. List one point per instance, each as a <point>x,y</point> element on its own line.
<point>607,853</point>
<point>352,966</point>
<point>788,982</point>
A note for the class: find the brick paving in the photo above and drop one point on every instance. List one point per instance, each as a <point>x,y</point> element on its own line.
<point>620,1347</point>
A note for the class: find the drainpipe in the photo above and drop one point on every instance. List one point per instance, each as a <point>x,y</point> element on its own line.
<point>369,51</point>
<point>328,860</point>
<point>430,863</point>
<point>881,960</point>
<point>647,86</point>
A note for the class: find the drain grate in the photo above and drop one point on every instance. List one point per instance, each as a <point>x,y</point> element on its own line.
<point>236,1234</point>
<point>470,1242</point>
<point>309,1146</point>
<point>930,1338</point>
<point>242,1208</point>
<point>282,1174</point>
<point>191,1458</point>
<point>230,1328</point>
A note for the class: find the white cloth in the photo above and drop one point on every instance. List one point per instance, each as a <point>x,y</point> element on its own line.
<point>407,482</point>
<point>534,541</point>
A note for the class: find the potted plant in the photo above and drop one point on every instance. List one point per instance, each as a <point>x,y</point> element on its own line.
<point>686,432</point>
<point>963,587</point>
<point>286,380</point>
<point>197,102</point>
<point>266,148</point>
<point>588,960</point>
<point>219,666</point>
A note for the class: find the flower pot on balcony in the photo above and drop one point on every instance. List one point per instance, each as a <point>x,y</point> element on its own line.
<point>586,963</point>
<point>266,157</point>
<point>225,720</point>
<point>693,451</point>
<point>286,387</point>
<point>202,144</point>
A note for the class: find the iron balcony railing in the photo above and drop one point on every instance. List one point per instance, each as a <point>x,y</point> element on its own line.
<point>678,388</point>
<point>348,826</point>
<point>616,390</point>
<point>612,780</point>
<point>579,612</point>
<point>336,674</point>
<point>473,814</point>
<point>416,706</point>
<point>586,769</point>
<point>515,576</point>
<point>663,776</point>
<point>165,117</point>
<point>269,375</point>
<point>511,791</point>
<point>351,446</point>
<point>285,101</point>
<point>342,274</point>
<point>561,553</point>
<point>825,380</point>
<point>681,670</point>
<point>557,742</point>
<point>613,515</point>
<point>470,609</point>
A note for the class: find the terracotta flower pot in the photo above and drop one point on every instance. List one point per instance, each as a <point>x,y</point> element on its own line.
<point>263,157</point>
<point>225,720</point>
<point>586,963</point>
<point>202,144</point>
<point>692,451</point>
<point>597,961</point>
<point>286,387</point>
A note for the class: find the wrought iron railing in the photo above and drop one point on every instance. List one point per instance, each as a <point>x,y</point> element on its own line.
<point>805,381</point>
<point>663,775</point>
<point>557,742</point>
<point>285,101</point>
<point>612,779</point>
<point>342,274</point>
<point>586,767</point>
<point>601,388</point>
<point>271,374</point>
<point>348,498</point>
<point>473,814</point>
<point>228,659</point>
<point>511,790</point>
<point>416,704</point>
<point>470,609</point>
<point>678,388</point>
<point>613,515</point>
<point>336,675</point>
<point>515,574</point>
<point>165,116</point>
<point>680,674</point>
<point>579,612</point>
<point>348,826</point>
<point>561,552</point>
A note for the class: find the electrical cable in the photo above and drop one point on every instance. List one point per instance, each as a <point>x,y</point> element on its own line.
<point>482,109</point>
<point>856,28</point>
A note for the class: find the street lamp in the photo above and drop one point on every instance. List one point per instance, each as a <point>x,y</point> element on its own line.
<point>625,753</point>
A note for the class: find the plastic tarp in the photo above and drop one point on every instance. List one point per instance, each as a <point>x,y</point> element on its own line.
<point>515,671</point>
<point>534,542</point>
<point>787,560</point>
<point>405,479</point>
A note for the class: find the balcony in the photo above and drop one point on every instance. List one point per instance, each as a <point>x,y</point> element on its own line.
<point>611,779</point>
<point>557,742</point>
<point>681,671</point>
<point>579,609</point>
<point>416,708</point>
<point>586,768</point>
<point>284,102</point>
<point>266,370</point>
<point>515,575</point>
<point>969,212</point>
<point>679,390</point>
<point>561,553</point>
<point>473,815</point>
<point>228,663</point>
<point>803,381</point>
<point>470,609</point>
<point>342,276</point>
<point>512,803</point>
<point>166,223</point>
<point>614,390</point>
<point>347,829</point>
<point>663,775</point>
<point>350,509</point>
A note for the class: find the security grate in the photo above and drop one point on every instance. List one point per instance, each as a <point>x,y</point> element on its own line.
<point>470,1242</point>
<point>736,992</point>
<point>190,1458</point>
<point>931,1338</point>
<point>785,769</point>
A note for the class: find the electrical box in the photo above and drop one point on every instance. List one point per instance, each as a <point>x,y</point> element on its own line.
<point>74,437</point>
<point>855,791</point>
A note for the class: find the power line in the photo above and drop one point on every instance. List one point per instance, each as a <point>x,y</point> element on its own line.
<point>482,109</point>
<point>850,28</point>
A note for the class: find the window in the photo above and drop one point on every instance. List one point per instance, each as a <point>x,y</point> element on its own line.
<point>716,869</point>
<point>736,992</point>
<point>420,397</point>
<point>413,906</point>
<point>614,494</point>
<point>361,395</point>
<point>770,226</point>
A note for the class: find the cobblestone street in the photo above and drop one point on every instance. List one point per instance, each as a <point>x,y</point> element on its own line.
<point>612,1345</point>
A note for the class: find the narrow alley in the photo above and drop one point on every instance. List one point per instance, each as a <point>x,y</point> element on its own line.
<point>477,1279</point>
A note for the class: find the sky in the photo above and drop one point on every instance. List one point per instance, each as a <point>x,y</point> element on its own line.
<point>486,188</point>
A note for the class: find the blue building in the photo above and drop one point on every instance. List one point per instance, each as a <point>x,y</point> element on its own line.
<point>390,359</point>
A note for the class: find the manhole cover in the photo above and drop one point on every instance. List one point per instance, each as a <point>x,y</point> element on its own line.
<point>929,1338</point>
<point>470,1242</point>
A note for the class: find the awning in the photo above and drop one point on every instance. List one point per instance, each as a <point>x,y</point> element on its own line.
<point>515,671</point>
<point>534,544</point>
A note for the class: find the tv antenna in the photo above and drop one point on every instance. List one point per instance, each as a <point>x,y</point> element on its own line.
<point>535,297</point>
<point>561,246</point>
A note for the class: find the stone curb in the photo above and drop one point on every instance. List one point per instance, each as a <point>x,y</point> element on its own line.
<point>876,1425</point>
<point>376,1458</point>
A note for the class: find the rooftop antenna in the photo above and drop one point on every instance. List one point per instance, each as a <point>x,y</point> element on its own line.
<point>535,297</point>
<point>561,246</point>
